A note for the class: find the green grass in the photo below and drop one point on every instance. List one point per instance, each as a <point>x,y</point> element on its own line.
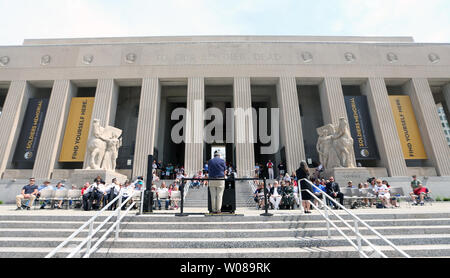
<point>442,199</point>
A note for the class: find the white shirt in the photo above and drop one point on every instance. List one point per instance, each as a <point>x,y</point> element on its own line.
<point>275,192</point>
<point>91,188</point>
<point>381,189</point>
<point>127,191</point>
<point>102,188</point>
<point>111,186</point>
<point>162,190</point>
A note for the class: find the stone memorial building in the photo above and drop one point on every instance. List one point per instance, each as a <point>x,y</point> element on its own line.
<point>395,94</point>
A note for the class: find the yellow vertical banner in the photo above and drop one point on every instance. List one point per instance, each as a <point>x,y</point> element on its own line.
<point>407,128</point>
<point>77,130</point>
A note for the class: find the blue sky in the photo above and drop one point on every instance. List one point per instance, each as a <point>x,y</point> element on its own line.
<point>426,21</point>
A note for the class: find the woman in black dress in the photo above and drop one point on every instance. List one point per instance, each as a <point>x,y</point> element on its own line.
<point>303,173</point>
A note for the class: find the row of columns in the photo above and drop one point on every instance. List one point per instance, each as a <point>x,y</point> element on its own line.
<point>332,102</point>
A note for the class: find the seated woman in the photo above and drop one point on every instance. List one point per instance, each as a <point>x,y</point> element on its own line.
<point>382,191</point>
<point>393,198</point>
<point>258,196</point>
<point>173,201</point>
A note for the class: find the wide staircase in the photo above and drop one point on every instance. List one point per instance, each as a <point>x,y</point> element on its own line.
<point>23,234</point>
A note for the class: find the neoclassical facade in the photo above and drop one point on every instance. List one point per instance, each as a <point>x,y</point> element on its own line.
<point>136,84</point>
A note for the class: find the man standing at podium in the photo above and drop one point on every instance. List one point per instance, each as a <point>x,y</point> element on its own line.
<point>216,169</point>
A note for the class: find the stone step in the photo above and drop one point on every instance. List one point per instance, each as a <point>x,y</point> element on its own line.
<point>171,218</point>
<point>295,252</point>
<point>442,250</point>
<point>226,233</point>
<point>262,242</point>
<point>229,225</point>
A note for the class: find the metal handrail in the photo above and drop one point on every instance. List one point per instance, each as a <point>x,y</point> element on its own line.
<point>92,232</point>
<point>356,221</point>
<point>116,225</point>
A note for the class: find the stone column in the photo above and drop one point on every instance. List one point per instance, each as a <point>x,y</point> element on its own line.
<point>245,152</point>
<point>385,130</point>
<point>429,124</point>
<point>52,132</point>
<point>147,124</point>
<point>291,122</point>
<point>332,100</point>
<point>193,159</point>
<point>10,120</point>
<point>105,104</point>
<point>446,93</point>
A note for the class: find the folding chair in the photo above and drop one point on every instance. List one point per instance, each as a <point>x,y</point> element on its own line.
<point>347,194</point>
<point>60,195</point>
<point>176,196</point>
<point>367,193</point>
<point>46,195</point>
<point>137,198</point>
<point>163,196</point>
<point>356,195</point>
<point>73,195</point>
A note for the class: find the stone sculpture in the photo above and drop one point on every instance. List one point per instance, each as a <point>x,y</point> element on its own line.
<point>88,59</point>
<point>350,57</point>
<point>392,57</point>
<point>45,60</point>
<point>103,147</point>
<point>335,146</point>
<point>307,57</point>
<point>324,144</point>
<point>131,58</point>
<point>4,60</point>
<point>434,58</point>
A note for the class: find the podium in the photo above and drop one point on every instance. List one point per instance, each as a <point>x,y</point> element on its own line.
<point>229,198</point>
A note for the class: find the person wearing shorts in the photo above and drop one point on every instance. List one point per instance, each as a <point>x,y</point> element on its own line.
<point>418,191</point>
<point>382,191</point>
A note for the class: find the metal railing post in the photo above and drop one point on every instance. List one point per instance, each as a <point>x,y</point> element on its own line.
<point>91,229</point>
<point>266,204</point>
<point>300,198</point>
<point>141,208</point>
<point>358,238</point>
<point>326,214</point>
<point>182,185</point>
<point>118,215</point>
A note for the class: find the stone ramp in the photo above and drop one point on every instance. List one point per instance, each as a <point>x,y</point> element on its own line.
<point>33,235</point>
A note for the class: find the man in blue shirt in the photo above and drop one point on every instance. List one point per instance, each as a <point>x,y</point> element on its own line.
<point>29,192</point>
<point>216,169</point>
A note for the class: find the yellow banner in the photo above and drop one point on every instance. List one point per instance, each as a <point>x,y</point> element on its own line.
<point>407,128</point>
<point>77,130</point>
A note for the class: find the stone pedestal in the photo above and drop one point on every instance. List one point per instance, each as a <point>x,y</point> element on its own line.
<point>80,177</point>
<point>344,175</point>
